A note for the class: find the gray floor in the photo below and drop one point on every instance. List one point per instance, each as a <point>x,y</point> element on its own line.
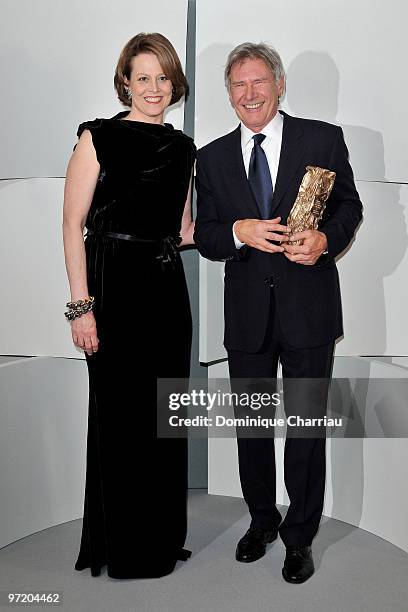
<point>355,570</point>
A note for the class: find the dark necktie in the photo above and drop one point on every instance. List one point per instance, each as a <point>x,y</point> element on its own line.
<point>259,177</point>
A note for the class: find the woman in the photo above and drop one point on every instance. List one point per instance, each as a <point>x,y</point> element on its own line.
<point>129,182</point>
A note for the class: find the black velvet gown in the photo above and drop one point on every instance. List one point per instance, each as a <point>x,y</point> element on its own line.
<point>136,482</point>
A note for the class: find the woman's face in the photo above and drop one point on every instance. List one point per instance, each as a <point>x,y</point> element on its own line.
<point>151,89</point>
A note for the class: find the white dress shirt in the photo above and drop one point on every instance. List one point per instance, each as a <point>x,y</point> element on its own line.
<point>272,147</point>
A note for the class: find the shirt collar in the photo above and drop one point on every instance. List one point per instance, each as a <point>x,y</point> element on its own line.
<point>273,129</point>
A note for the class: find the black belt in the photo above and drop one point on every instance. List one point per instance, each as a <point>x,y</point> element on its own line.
<point>167,254</point>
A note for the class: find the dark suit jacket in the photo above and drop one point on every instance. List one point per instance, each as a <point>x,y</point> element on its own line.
<point>307,297</point>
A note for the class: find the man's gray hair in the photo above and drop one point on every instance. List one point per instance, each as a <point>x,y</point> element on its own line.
<point>262,51</point>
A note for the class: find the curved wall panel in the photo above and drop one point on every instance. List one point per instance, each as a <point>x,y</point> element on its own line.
<point>43,412</point>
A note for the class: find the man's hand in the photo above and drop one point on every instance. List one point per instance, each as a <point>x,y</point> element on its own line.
<point>307,253</point>
<point>257,232</point>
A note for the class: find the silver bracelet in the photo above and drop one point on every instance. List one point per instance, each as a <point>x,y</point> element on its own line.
<point>77,309</point>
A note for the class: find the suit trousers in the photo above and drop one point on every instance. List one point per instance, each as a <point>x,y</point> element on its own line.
<point>304,457</point>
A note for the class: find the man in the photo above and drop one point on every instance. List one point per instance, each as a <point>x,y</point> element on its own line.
<point>282,301</point>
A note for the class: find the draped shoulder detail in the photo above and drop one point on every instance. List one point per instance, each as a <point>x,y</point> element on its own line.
<point>183,136</point>
<point>89,125</point>
<point>192,146</point>
<point>188,146</point>
<point>94,127</point>
<point>188,140</point>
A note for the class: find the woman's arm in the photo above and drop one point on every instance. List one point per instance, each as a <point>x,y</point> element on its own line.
<point>187,223</point>
<point>82,175</point>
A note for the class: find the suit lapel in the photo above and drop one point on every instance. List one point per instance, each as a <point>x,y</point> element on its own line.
<point>236,166</point>
<point>291,156</point>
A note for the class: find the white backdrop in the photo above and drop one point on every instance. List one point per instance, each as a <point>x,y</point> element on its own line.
<point>59,62</point>
<point>344,63</point>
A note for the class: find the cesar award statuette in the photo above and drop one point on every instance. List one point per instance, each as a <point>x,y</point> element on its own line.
<point>310,202</point>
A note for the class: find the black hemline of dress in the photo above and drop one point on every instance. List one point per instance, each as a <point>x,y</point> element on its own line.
<point>117,572</point>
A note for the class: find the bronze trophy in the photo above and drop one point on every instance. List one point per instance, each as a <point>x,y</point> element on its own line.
<point>310,202</point>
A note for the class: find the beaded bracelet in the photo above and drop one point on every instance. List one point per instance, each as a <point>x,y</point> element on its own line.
<point>76,309</point>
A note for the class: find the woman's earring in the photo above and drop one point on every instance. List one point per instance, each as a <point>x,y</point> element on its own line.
<point>128,92</point>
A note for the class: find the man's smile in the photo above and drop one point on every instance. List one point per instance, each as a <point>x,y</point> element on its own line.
<point>253,106</point>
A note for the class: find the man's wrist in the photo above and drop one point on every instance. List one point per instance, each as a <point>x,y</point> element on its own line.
<point>325,244</point>
<point>238,243</point>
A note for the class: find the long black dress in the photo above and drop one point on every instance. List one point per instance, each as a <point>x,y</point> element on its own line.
<point>136,482</point>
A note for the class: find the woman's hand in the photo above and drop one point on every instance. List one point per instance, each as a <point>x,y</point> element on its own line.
<point>84,334</point>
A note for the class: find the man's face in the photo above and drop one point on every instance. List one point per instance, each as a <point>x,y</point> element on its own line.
<point>254,93</point>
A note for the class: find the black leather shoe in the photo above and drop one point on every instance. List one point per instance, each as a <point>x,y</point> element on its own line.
<point>298,566</point>
<point>252,545</point>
